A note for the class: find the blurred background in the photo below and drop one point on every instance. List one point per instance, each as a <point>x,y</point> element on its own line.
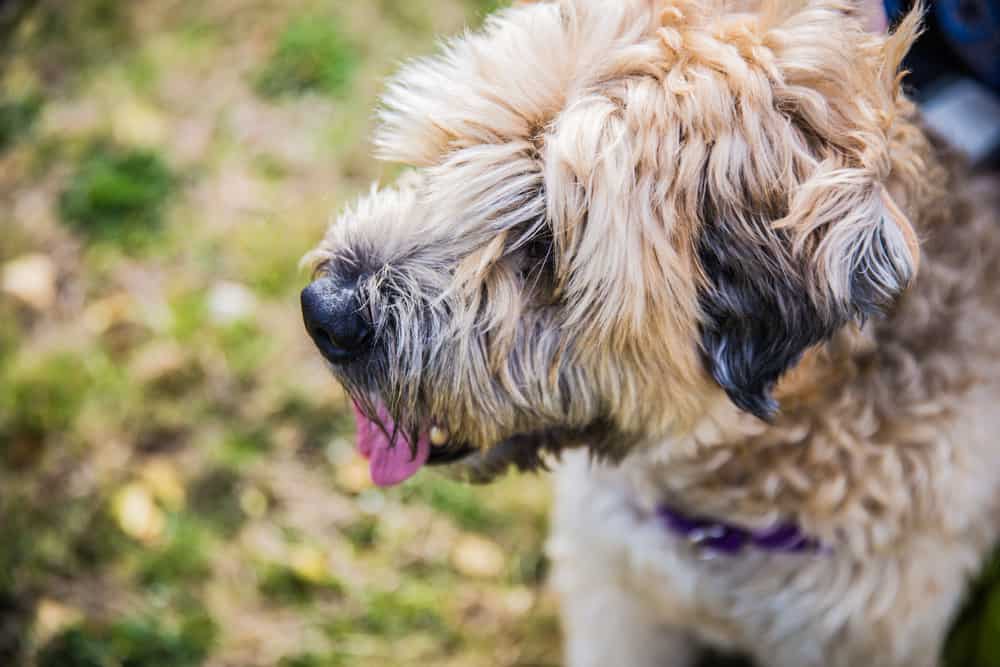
<point>178,481</point>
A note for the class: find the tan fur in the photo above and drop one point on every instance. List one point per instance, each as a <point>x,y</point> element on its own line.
<point>886,450</point>
<point>612,128</point>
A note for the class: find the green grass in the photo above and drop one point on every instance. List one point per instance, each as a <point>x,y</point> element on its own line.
<point>459,501</point>
<point>268,521</point>
<point>16,119</point>
<point>397,614</point>
<point>363,533</point>
<point>312,55</point>
<point>76,648</point>
<point>133,642</point>
<point>41,396</point>
<point>283,585</point>
<point>975,637</point>
<point>117,195</point>
<point>313,660</point>
<point>183,559</point>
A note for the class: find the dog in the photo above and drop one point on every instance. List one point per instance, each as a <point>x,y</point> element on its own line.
<point>702,258</point>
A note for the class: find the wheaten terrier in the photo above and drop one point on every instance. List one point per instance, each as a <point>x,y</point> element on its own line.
<point>708,247</point>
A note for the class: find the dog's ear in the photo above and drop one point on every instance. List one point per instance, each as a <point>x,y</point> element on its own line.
<point>789,262</point>
<point>843,252</point>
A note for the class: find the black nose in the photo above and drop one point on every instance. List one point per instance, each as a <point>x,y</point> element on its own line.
<point>332,314</point>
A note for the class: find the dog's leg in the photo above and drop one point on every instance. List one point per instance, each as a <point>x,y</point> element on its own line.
<point>607,617</point>
<point>607,626</point>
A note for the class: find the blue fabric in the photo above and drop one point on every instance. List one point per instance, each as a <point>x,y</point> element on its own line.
<point>971,28</point>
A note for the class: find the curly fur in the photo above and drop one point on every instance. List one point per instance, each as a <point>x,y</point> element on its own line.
<point>710,242</point>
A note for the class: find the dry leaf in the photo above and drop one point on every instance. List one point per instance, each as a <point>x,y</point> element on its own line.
<point>137,513</point>
<point>476,556</point>
<point>32,279</point>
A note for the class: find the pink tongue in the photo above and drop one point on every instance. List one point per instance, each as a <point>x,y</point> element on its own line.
<point>390,457</point>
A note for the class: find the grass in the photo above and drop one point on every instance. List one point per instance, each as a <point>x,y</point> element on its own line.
<point>464,505</point>
<point>284,585</point>
<point>183,559</point>
<point>138,642</point>
<point>16,119</point>
<point>399,613</point>
<point>175,480</point>
<point>117,195</point>
<point>975,637</point>
<point>312,55</point>
<point>39,397</point>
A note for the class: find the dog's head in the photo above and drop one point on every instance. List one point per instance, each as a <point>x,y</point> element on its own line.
<point>619,210</point>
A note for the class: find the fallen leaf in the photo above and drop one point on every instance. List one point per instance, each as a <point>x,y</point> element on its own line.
<point>137,513</point>
<point>51,617</point>
<point>32,279</point>
<point>138,124</point>
<point>519,600</point>
<point>353,474</point>
<point>309,562</point>
<point>230,302</point>
<point>476,556</point>
<point>103,314</point>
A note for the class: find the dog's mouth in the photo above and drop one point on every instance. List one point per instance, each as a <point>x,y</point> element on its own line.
<point>394,456</point>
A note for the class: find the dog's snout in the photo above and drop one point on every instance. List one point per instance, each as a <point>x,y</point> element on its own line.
<point>334,319</point>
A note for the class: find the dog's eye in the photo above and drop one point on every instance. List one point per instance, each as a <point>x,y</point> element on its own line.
<point>538,254</point>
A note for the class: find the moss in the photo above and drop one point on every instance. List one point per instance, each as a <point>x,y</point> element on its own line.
<point>312,55</point>
<point>117,195</point>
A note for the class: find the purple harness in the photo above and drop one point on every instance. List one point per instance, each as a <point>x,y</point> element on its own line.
<point>719,537</point>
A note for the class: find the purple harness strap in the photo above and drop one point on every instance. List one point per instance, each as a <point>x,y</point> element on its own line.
<point>719,537</point>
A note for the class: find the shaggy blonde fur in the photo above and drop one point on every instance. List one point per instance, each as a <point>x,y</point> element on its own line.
<point>602,189</point>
